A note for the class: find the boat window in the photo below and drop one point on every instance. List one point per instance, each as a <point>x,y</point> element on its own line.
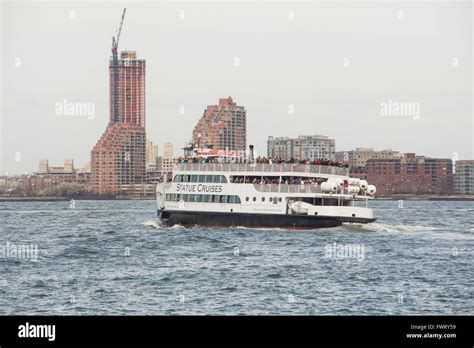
<point>176,178</point>
<point>194,178</point>
<point>270,199</point>
<point>232,199</point>
<point>254,199</point>
<point>222,179</point>
<point>247,199</point>
<point>263,199</point>
<point>185,178</point>
<point>201,178</point>
<point>237,179</point>
<point>208,178</point>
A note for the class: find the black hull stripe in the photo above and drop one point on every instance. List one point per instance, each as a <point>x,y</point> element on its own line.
<point>224,219</point>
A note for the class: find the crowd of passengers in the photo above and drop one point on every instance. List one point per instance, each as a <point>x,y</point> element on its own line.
<point>289,180</point>
<point>260,160</point>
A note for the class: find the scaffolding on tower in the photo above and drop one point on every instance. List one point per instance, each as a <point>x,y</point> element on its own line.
<point>115,74</point>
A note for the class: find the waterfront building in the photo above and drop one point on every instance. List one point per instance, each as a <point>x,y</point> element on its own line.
<point>304,147</point>
<point>118,160</point>
<point>464,177</point>
<point>411,175</point>
<point>360,155</point>
<point>222,127</point>
<point>358,172</point>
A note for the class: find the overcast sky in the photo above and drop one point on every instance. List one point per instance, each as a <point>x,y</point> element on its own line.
<point>298,68</point>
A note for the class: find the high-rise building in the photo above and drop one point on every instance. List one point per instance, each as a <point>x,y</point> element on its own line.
<point>304,147</point>
<point>168,159</point>
<point>411,175</point>
<point>222,127</point>
<point>151,153</point>
<point>464,177</point>
<point>69,166</point>
<point>118,160</point>
<point>131,89</point>
<point>360,155</point>
<point>168,150</point>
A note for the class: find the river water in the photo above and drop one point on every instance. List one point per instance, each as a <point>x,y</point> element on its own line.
<point>113,257</point>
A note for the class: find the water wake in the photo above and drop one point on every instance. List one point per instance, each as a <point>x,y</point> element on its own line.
<point>154,224</point>
<point>378,227</point>
<point>159,226</point>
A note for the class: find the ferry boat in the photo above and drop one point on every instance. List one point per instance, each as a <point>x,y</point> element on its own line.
<point>263,195</point>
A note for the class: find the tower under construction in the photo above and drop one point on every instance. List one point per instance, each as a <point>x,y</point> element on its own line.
<point>118,160</point>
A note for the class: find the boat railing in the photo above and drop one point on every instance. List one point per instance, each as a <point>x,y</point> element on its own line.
<point>292,188</point>
<point>263,167</point>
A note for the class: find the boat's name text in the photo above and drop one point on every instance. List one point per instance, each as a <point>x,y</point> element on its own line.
<point>198,188</point>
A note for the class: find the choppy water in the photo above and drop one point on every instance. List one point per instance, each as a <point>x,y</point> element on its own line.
<point>112,257</point>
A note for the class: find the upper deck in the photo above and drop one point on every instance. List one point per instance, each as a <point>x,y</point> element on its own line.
<point>262,168</point>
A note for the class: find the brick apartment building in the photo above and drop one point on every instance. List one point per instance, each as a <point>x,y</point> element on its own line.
<point>118,160</point>
<point>411,175</point>
<point>358,172</point>
<point>222,127</point>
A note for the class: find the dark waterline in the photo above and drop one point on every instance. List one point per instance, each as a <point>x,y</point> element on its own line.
<point>113,257</point>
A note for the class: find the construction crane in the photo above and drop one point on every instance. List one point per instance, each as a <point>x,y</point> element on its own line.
<point>115,70</point>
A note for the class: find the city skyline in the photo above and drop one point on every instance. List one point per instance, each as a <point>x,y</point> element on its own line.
<point>406,113</point>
